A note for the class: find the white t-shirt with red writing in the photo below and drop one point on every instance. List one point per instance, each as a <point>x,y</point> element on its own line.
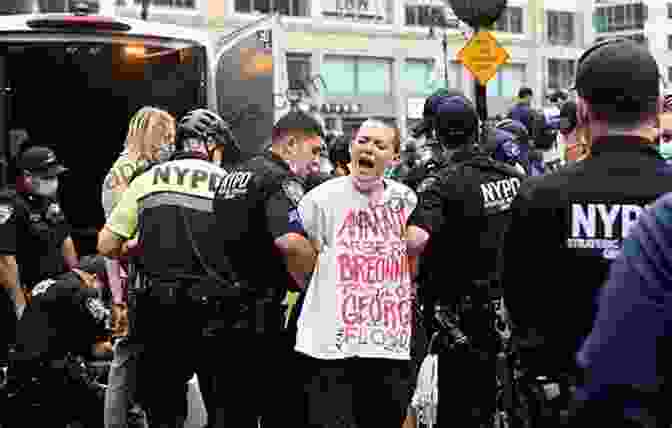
<point>360,298</point>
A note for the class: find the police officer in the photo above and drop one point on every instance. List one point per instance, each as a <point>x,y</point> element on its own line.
<point>55,336</point>
<point>465,208</point>
<point>258,224</point>
<point>35,236</point>
<point>189,295</point>
<point>568,226</point>
<point>432,155</point>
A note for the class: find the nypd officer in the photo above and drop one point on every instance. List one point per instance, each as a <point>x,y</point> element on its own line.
<point>568,226</point>
<point>258,223</point>
<point>35,236</point>
<point>59,329</point>
<point>464,206</point>
<point>189,295</point>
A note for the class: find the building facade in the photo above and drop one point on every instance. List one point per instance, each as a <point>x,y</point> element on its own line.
<point>649,22</point>
<point>383,57</point>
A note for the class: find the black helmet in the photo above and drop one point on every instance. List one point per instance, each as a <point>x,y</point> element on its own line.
<point>208,128</point>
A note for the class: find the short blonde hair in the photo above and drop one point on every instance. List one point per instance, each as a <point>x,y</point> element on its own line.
<point>396,140</point>
<point>144,128</point>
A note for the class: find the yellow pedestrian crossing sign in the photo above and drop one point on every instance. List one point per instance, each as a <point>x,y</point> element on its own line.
<point>482,56</point>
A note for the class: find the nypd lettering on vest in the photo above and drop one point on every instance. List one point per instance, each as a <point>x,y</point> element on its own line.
<point>234,185</point>
<point>601,227</point>
<point>175,174</point>
<point>498,195</point>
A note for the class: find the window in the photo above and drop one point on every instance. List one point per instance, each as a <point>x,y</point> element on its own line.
<point>560,27</point>
<point>421,77</point>
<point>560,73</point>
<point>427,15</point>
<point>298,70</point>
<point>359,10</point>
<point>357,75</point>
<point>190,4</point>
<point>638,37</point>
<point>669,42</point>
<point>284,7</point>
<point>669,11</point>
<point>511,21</point>
<point>669,74</point>
<point>620,17</point>
<point>509,79</point>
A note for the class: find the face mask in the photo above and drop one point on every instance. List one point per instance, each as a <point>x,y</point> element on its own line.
<point>45,186</point>
<point>665,150</point>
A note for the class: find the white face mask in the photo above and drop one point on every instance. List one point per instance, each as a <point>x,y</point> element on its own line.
<point>45,186</point>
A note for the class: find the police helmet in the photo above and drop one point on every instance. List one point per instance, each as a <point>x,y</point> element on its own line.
<point>205,127</point>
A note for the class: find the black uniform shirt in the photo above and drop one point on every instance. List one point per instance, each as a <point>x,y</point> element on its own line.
<point>63,316</point>
<point>254,206</point>
<point>465,207</point>
<point>33,229</point>
<point>566,229</point>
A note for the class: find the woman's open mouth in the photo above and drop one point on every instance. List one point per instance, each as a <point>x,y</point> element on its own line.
<point>366,163</point>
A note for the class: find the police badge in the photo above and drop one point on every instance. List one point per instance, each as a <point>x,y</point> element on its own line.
<point>6,212</point>
<point>294,190</point>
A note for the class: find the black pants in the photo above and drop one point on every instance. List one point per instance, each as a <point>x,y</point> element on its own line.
<point>356,392</point>
<point>237,369</point>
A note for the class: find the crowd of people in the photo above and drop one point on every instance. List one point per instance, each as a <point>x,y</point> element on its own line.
<point>360,295</point>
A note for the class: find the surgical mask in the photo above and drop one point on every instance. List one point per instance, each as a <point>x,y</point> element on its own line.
<point>665,150</point>
<point>45,186</point>
<point>301,167</point>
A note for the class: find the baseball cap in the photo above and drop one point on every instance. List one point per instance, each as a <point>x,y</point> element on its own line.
<point>456,116</point>
<point>525,92</point>
<point>617,71</point>
<point>41,161</point>
<point>429,110</point>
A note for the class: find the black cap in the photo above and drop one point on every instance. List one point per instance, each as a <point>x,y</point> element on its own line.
<point>568,118</point>
<point>618,71</point>
<point>429,111</point>
<point>297,121</point>
<point>525,92</point>
<point>41,161</point>
<point>456,116</point>
<point>93,265</point>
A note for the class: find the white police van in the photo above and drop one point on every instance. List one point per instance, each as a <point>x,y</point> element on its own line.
<point>72,82</point>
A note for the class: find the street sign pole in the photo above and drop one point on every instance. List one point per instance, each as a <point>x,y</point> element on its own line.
<point>481,98</point>
<point>482,55</point>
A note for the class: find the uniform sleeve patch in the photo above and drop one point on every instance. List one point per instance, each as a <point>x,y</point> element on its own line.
<point>42,287</point>
<point>6,211</point>
<point>293,190</point>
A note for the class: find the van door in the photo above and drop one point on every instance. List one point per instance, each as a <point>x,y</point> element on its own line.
<point>244,79</point>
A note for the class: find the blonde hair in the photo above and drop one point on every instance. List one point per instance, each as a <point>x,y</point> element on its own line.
<point>375,122</point>
<point>144,130</point>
